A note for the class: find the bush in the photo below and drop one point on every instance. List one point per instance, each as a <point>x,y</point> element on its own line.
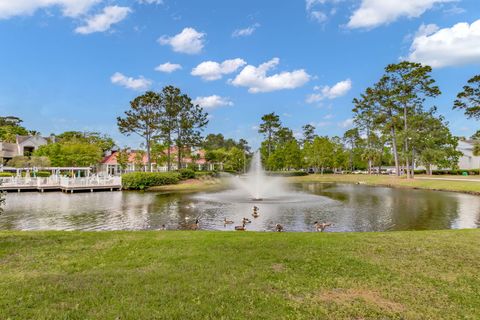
<point>460,172</point>
<point>6,174</point>
<point>186,174</point>
<point>201,174</point>
<point>43,174</point>
<point>287,173</point>
<point>144,180</point>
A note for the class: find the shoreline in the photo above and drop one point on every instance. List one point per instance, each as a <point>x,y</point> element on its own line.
<point>469,186</point>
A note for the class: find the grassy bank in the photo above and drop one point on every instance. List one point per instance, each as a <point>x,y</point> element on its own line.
<point>228,275</point>
<point>472,187</point>
<point>192,185</point>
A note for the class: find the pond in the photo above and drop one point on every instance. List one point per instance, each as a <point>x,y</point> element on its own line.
<point>348,207</point>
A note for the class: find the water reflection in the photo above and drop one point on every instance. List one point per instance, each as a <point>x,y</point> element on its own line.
<point>348,207</point>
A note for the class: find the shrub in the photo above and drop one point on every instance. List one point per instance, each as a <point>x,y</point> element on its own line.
<point>287,173</point>
<point>186,174</point>
<point>144,180</point>
<point>201,174</point>
<point>43,174</point>
<point>6,174</point>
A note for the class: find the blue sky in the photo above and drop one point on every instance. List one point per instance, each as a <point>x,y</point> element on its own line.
<point>75,64</point>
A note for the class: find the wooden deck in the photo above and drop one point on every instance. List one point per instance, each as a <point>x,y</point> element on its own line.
<point>68,185</point>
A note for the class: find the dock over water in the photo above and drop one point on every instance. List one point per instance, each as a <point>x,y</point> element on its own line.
<point>64,184</point>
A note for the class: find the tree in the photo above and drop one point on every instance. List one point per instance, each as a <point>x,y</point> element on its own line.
<point>122,158</point>
<point>10,127</point>
<point>192,120</point>
<point>308,133</point>
<point>432,142</point>
<point>270,125</point>
<point>168,122</point>
<point>469,99</point>
<point>409,84</point>
<point>104,141</point>
<point>320,153</point>
<point>352,139</point>
<point>143,119</point>
<point>70,154</point>
<point>476,135</point>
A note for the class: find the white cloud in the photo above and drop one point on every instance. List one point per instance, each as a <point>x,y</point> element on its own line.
<point>346,123</point>
<point>457,45</point>
<point>318,11</point>
<point>339,89</point>
<point>256,79</point>
<point>70,8</point>
<point>211,70</point>
<point>131,83</point>
<point>245,32</point>
<point>213,101</point>
<point>103,21</point>
<point>168,67</point>
<point>373,13</point>
<point>188,41</point>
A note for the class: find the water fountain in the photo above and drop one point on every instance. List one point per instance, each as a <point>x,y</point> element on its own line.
<point>256,185</point>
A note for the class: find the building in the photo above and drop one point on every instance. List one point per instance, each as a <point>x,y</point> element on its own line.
<point>468,160</point>
<point>23,146</point>
<point>137,161</point>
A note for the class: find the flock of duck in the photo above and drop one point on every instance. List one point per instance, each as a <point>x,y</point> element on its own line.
<point>319,226</point>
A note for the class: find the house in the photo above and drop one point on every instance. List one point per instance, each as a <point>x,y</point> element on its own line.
<point>137,161</point>
<point>23,146</point>
<point>468,160</point>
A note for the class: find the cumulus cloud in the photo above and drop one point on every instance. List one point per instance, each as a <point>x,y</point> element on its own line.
<point>168,67</point>
<point>213,101</point>
<point>373,13</point>
<point>70,8</point>
<point>339,89</point>
<point>211,70</point>
<point>457,45</point>
<point>246,31</point>
<point>137,84</point>
<point>257,80</point>
<point>346,123</point>
<point>189,41</point>
<point>103,21</point>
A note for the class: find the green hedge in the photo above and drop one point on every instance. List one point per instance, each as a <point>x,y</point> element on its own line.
<point>144,180</point>
<point>43,174</point>
<point>470,172</point>
<point>201,174</point>
<point>6,174</point>
<point>186,174</point>
<point>287,173</point>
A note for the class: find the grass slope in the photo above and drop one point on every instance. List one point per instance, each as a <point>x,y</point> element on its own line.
<point>472,187</point>
<point>228,275</point>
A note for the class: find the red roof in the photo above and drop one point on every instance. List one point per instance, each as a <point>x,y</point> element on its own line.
<point>112,159</point>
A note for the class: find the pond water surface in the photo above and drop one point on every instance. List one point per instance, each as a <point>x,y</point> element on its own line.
<point>349,207</point>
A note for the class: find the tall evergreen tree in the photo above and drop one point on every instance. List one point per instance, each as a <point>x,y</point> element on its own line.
<point>270,125</point>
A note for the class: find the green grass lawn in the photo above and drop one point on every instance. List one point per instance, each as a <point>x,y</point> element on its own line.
<point>228,275</point>
<point>472,187</point>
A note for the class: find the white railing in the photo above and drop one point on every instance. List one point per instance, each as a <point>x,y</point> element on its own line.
<point>62,182</point>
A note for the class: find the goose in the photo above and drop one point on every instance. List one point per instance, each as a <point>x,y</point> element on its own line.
<point>241,228</point>
<point>321,226</point>
<point>278,227</point>
<point>194,226</point>
<point>246,220</point>
<point>225,221</point>
<point>163,227</point>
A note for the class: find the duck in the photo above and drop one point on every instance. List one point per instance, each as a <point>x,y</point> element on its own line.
<point>321,226</point>
<point>255,214</point>
<point>246,220</point>
<point>241,228</point>
<point>225,221</point>
<point>163,227</point>
<point>278,227</point>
